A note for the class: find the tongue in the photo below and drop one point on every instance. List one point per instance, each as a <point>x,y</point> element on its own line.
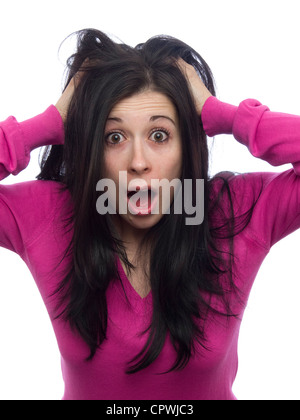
<point>140,203</point>
<point>144,201</point>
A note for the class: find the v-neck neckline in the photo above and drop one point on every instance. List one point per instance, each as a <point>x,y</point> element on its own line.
<point>134,297</point>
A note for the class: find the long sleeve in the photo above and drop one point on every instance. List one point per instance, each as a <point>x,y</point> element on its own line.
<point>26,207</point>
<point>271,136</point>
<point>17,140</point>
<point>275,138</point>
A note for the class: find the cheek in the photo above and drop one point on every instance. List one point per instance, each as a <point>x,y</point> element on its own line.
<point>177,160</point>
<point>111,166</point>
<point>175,166</point>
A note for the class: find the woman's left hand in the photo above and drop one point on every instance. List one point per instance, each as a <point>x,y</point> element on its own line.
<point>199,90</point>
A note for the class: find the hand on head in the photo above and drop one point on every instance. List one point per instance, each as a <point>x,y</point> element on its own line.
<point>199,90</point>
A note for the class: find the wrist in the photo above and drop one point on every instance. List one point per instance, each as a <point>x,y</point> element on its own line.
<point>217,117</point>
<point>44,129</point>
<point>201,101</point>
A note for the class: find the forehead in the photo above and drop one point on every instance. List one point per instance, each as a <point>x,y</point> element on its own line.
<point>144,104</point>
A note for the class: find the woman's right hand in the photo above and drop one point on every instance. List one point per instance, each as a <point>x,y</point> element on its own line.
<point>63,103</point>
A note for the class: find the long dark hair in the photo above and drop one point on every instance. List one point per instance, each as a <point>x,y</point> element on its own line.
<point>186,265</point>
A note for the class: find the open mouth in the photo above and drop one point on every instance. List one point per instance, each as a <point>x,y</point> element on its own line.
<point>141,201</point>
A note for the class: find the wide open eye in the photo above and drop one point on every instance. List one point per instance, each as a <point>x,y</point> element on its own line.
<point>114,138</point>
<point>159,136</point>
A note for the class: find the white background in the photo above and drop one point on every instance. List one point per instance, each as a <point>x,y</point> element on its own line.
<point>253,48</point>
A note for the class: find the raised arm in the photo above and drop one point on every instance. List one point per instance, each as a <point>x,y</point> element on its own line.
<point>17,140</point>
<point>25,207</point>
<point>271,136</point>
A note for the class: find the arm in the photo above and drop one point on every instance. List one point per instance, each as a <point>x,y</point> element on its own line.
<point>275,138</point>
<point>19,201</point>
<point>25,207</point>
<point>17,140</point>
<point>271,136</point>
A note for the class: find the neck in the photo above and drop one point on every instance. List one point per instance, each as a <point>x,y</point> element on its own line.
<point>132,239</point>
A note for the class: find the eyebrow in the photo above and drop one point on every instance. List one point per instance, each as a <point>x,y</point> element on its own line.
<point>156,117</point>
<point>153,118</point>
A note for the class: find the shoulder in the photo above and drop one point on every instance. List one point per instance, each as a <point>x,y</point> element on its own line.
<point>34,195</point>
<point>29,208</point>
<point>233,197</point>
<point>241,189</point>
<point>268,201</point>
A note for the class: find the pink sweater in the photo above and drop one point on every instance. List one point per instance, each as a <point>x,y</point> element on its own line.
<point>32,214</point>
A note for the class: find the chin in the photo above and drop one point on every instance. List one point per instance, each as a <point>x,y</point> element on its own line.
<point>143,221</point>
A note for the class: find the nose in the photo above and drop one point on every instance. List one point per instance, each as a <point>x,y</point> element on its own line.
<point>139,162</point>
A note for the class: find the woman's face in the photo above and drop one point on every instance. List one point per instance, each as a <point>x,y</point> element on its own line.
<point>142,144</point>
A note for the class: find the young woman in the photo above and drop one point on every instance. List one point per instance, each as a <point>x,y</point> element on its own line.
<point>145,304</point>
